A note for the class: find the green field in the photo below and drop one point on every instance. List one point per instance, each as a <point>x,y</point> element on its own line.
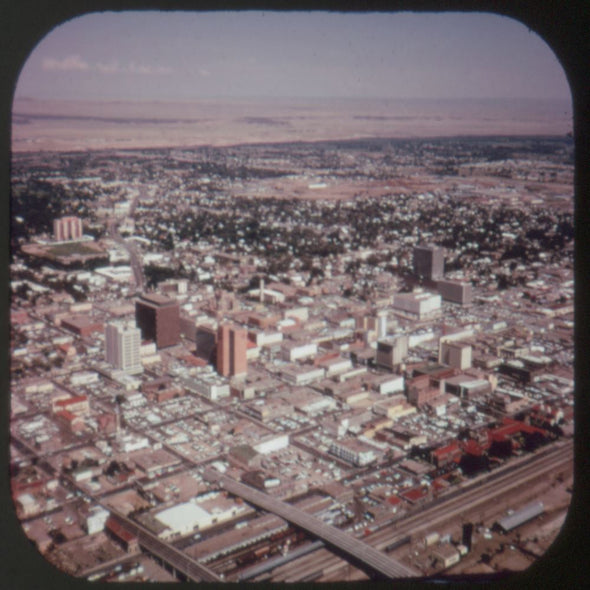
<point>72,248</point>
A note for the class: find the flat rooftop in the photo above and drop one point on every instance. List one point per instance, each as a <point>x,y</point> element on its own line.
<point>156,299</point>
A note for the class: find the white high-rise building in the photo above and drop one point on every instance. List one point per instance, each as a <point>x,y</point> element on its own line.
<point>381,325</point>
<point>123,341</point>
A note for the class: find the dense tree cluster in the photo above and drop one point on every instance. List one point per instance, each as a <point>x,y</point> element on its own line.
<point>194,202</point>
<point>285,230</point>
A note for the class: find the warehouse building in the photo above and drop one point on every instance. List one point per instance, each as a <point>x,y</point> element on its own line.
<point>446,555</point>
<point>526,513</point>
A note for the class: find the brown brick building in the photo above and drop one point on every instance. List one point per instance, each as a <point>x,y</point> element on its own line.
<point>232,345</point>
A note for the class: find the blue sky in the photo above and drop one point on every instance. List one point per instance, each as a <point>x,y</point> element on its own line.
<point>183,56</point>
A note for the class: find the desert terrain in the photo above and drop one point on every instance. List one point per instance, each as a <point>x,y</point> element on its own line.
<point>51,125</point>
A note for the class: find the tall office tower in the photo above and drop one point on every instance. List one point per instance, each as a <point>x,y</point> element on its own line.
<point>123,341</point>
<point>223,350</point>
<point>67,228</point>
<point>158,318</point>
<point>429,262</point>
<point>206,341</point>
<point>392,351</point>
<point>232,346</point>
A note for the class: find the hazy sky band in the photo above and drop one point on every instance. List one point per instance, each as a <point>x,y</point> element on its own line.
<point>188,55</point>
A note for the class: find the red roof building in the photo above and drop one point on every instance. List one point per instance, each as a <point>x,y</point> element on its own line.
<point>77,405</point>
<point>414,495</point>
<point>123,536</point>
<point>472,447</point>
<point>446,454</point>
<point>394,500</point>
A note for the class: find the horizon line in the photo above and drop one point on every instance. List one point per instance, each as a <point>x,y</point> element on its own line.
<point>294,98</point>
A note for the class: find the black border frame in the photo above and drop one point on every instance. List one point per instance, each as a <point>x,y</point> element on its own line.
<point>565,26</point>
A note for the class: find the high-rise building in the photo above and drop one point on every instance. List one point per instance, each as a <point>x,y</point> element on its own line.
<point>467,535</point>
<point>381,325</point>
<point>455,291</point>
<point>232,346</point>
<point>158,318</point>
<point>429,262</point>
<point>455,353</point>
<point>206,341</point>
<point>123,341</point>
<point>67,229</point>
<point>392,351</point>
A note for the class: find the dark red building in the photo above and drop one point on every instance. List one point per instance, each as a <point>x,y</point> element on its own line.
<point>158,318</point>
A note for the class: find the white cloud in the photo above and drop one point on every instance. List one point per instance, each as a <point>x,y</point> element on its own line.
<point>110,68</point>
<point>76,63</point>
<point>69,63</point>
<point>134,68</point>
<point>137,69</point>
<point>204,72</point>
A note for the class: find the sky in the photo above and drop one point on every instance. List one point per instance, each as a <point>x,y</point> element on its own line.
<point>184,56</point>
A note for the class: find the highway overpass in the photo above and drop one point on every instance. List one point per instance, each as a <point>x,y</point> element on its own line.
<point>377,564</point>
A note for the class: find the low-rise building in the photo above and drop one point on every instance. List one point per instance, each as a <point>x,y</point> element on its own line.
<point>465,386</point>
<point>77,405</point>
<point>353,451</point>
<point>121,535</point>
<point>301,374</point>
<point>334,365</point>
<point>96,519</point>
<point>418,306</point>
<point>308,402</point>
<point>294,351</point>
<point>208,384</point>
<point>393,407</point>
<point>446,555</point>
<point>387,384</point>
<point>524,514</point>
<point>272,443</point>
<point>421,390</point>
<point>83,326</point>
<point>446,454</point>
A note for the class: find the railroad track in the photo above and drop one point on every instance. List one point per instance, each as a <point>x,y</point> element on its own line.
<point>324,564</point>
<point>179,560</point>
<point>376,562</point>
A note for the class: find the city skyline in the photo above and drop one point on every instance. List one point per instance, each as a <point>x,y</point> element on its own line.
<point>183,56</point>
